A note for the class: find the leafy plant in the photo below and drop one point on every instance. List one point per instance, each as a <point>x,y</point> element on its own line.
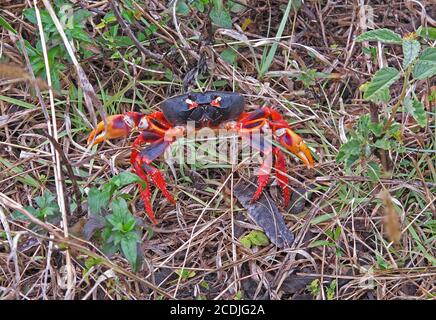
<point>373,138</point>
<point>315,287</point>
<point>332,241</point>
<point>47,209</point>
<point>331,290</point>
<point>120,230</point>
<point>254,238</point>
<point>186,274</point>
<point>74,28</point>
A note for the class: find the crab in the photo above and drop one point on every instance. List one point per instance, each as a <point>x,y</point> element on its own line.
<point>212,109</point>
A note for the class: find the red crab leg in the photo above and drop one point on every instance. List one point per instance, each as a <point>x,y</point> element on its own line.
<point>280,172</point>
<point>284,135</point>
<point>262,178</point>
<point>267,118</point>
<point>145,193</point>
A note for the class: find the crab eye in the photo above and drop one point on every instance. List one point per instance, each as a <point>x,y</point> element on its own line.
<point>280,132</point>
<point>191,104</point>
<point>216,102</point>
<point>143,124</point>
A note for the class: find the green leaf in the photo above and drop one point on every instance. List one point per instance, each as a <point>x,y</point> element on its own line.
<point>383,144</point>
<point>382,35</point>
<point>129,249</point>
<point>98,199</point>
<point>125,178</point>
<point>229,55</point>
<point>378,88</point>
<point>417,110</point>
<point>374,171</point>
<point>185,273</point>
<point>182,8</point>
<point>331,290</point>
<point>351,147</point>
<point>376,128</point>
<point>429,33</point>
<point>426,65</point>
<point>320,243</point>
<point>246,242</point>
<point>220,16</point>
<point>410,51</point>
<point>119,207</point>
<point>258,238</point>
<point>6,25</point>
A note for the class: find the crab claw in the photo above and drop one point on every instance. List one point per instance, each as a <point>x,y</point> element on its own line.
<point>118,126</point>
<point>295,144</point>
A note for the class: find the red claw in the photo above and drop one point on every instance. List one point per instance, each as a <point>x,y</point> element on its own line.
<point>118,126</point>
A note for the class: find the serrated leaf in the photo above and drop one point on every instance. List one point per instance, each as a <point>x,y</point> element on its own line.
<point>351,147</point>
<point>382,35</point>
<point>410,51</point>
<point>426,65</point>
<point>417,110</point>
<point>378,87</point>
<point>376,128</point>
<point>383,144</point>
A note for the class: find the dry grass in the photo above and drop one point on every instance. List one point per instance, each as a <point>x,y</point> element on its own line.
<point>202,232</point>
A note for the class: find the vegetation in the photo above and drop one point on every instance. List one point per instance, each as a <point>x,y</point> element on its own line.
<point>358,85</point>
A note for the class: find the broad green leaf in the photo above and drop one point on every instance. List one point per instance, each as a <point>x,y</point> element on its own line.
<point>378,87</point>
<point>125,178</point>
<point>429,33</point>
<point>129,249</point>
<point>220,16</point>
<point>410,51</point>
<point>426,65</point>
<point>98,199</point>
<point>417,110</point>
<point>382,35</point>
<point>119,208</point>
<point>6,25</point>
